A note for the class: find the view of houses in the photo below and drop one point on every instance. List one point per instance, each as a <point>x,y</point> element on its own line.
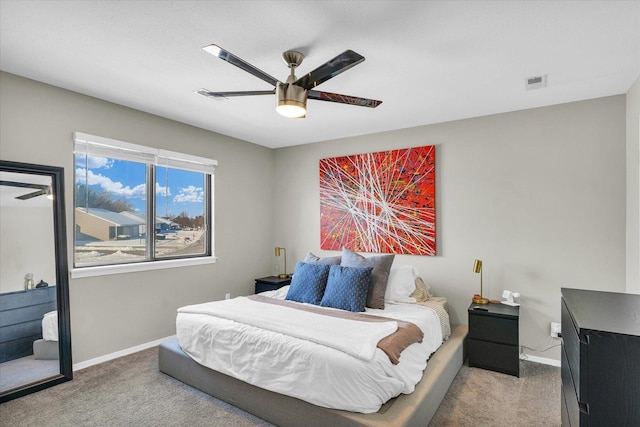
<point>110,236</point>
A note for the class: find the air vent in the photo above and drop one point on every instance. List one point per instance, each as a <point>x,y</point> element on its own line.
<point>535,82</point>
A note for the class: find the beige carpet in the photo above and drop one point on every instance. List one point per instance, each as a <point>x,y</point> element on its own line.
<point>130,391</point>
<point>484,398</point>
<point>24,370</point>
<point>126,392</point>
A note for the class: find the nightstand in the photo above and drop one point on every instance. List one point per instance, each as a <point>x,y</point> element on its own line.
<point>271,283</point>
<point>494,339</point>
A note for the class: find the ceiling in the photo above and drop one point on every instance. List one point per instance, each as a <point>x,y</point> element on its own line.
<point>428,61</point>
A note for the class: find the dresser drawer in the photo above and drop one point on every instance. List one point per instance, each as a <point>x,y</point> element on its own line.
<point>564,415</point>
<point>485,327</point>
<point>264,287</point>
<point>569,393</point>
<point>571,345</point>
<point>496,357</point>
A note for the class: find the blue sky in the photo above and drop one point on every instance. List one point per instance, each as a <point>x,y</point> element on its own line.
<point>126,180</point>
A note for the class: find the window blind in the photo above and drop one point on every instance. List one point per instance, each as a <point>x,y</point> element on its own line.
<point>98,146</point>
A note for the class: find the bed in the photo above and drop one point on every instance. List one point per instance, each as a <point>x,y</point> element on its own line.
<point>302,370</point>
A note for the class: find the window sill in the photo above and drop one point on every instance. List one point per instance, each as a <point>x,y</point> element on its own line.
<point>104,270</point>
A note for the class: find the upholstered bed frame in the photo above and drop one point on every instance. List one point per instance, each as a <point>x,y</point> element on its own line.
<point>415,409</point>
<point>45,350</point>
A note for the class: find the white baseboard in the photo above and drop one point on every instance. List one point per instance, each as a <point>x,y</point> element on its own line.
<point>543,360</point>
<point>117,354</point>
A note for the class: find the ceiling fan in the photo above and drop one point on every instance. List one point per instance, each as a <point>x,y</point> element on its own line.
<point>292,95</point>
<point>41,189</point>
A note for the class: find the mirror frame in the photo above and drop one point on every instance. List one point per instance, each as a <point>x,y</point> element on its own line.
<point>62,278</point>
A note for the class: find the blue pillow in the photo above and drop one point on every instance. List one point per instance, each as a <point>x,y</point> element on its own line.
<point>308,283</point>
<point>347,288</point>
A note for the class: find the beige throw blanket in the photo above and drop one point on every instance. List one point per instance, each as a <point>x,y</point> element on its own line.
<point>438,304</point>
<point>392,345</point>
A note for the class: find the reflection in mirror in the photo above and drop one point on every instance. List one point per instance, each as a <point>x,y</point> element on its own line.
<point>35,344</point>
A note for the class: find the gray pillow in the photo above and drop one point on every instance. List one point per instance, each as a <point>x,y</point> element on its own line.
<point>379,275</point>
<point>331,260</point>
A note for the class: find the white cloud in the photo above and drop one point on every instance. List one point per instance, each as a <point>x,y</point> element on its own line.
<point>189,194</point>
<point>138,191</point>
<point>162,191</point>
<point>94,162</point>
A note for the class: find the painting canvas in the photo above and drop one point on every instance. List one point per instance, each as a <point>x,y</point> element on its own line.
<point>382,202</point>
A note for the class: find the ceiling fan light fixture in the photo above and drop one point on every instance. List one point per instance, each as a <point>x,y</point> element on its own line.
<point>291,97</point>
<point>291,100</point>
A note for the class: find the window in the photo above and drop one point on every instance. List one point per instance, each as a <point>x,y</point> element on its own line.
<point>139,208</point>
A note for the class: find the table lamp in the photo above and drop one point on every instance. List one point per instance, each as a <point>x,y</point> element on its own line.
<point>282,275</point>
<point>477,268</point>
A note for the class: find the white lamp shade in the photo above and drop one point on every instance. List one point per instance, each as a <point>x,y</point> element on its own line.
<point>291,100</point>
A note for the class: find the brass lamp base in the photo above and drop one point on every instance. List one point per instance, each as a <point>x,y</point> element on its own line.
<point>283,276</point>
<point>480,300</point>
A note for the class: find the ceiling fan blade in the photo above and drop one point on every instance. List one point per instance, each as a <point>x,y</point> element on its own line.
<point>23,185</point>
<point>32,195</point>
<point>330,69</point>
<point>343,99</point>
<point>234,60</point>
<point>225,95</point>
<point>42,189</point>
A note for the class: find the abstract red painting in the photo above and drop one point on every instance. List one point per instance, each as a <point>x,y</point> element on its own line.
<point>382,202</point>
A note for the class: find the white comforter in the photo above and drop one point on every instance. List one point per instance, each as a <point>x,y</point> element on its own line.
<point>50,326</point>
<point>304,367</point>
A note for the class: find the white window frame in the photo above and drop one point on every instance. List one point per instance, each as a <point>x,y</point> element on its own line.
<point>113,148</point>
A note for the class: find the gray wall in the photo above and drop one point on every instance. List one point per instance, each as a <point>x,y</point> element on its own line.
<point>633,188</point>
<point>112,313</point>
<point>538,195</point>
<point>26,246</point>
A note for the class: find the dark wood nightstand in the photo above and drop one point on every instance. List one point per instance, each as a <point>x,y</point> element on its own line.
<point>494,341</point>
<point>271,283</point>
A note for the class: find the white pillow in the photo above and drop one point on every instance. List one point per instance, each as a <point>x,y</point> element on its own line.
<point>401,284</point>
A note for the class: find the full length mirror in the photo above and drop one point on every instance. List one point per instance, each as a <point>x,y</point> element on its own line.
<point>35,337</point>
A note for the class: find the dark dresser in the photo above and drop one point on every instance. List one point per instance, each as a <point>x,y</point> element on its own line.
<point>21,315</point>
<point>600,358</point>
<point>493,341</point>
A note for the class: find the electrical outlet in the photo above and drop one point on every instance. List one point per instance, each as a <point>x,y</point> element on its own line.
<point>555,329</point>
<point>227,296</point>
